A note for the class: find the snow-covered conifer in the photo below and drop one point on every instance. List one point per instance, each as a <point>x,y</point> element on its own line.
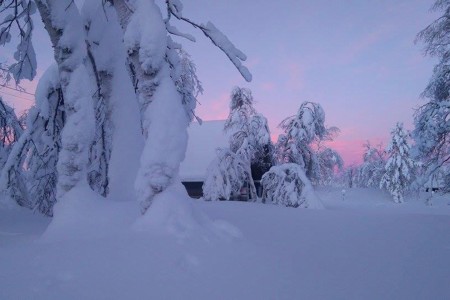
<point>399,167</point>
<point>432,120</point>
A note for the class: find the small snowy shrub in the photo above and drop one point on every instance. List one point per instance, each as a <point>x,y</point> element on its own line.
<point>286,184</point>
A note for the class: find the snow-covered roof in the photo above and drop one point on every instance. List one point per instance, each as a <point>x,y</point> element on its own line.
<point>201,150</point>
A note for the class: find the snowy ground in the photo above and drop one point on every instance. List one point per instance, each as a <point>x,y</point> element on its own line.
<point>360,247</point>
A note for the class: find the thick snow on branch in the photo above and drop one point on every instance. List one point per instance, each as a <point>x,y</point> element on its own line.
<point>103,34</point>
<point>69,37</point>
<point>166,127</point>
<point>219,39</point>
<point>173,30</point>
<point>175,7</point>
<point>20,18</point>
<point>49,81</point>
<point>234,54</point>
<point>78,131</point>
<point>146,33</point>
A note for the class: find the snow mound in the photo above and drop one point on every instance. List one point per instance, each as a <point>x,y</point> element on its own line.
<point>174,213</point>
<point>83,214</point>
<point>6,202</point>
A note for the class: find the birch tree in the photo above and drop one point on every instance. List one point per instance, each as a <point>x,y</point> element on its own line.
<point>85,44</point>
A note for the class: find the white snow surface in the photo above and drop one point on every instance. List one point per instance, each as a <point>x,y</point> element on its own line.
<point>361,246</point>
<point>146,33</point>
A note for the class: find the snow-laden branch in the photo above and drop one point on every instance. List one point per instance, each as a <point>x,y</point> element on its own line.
<point>219,39</point>
<point>20,19</point>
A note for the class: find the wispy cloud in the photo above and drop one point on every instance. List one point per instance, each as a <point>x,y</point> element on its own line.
<point>364,43</point>
<point>295,75</point>
<point>216,109</point>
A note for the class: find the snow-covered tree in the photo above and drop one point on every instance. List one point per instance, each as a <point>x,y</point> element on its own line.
<point>250,144</point>
<point>11,136</point>
<point>263,154</point>
<point>249,134</point>
<point>399,168</point>
<point>30,172</point>
<point>372,168</point>
<point>328,162</point>
<point>10,130</point>
<point>64,25</point>
<point>86,44</point>
<point>300,130</point>
<point>46,121</point>
<point>288,185</point>
<point>226,175</point>
<point>164,119</point>
<point>432,120</point>
<point>184,74</point>
<point>238,122</point>
<point>350,176</point>
<point>104,48</point>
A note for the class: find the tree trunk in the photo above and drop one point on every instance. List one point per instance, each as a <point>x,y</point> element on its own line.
<point>65,28</point>
<point>163,118</point>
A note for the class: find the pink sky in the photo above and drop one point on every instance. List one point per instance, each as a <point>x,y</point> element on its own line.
<point>357,59</point>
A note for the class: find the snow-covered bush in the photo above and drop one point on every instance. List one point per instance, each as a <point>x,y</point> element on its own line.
<point>288,185</point>
<point>225,176</point>
<point>400,167</point>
